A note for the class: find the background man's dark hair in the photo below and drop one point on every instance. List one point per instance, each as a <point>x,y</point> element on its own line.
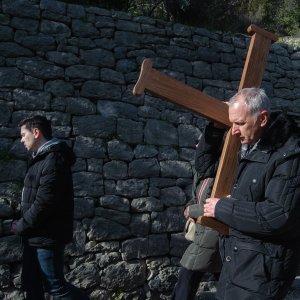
<point>40,122</point>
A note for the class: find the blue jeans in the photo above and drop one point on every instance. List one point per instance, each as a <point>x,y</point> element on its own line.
<point>188,284</point>
<point>43,271</point>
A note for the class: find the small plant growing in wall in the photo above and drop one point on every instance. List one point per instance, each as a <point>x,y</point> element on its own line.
<point>118,294</point>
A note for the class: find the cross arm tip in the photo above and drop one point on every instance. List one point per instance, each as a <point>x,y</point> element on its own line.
<point>140,85</point>
<point>252,29</point>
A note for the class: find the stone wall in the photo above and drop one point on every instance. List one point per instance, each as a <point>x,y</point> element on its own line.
<point>77,65</point>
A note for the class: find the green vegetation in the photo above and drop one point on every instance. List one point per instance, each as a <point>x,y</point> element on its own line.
<point>279,16</point>
<point>118,294</point>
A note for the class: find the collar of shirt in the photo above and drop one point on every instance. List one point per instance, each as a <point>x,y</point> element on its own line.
<point>247,149</point>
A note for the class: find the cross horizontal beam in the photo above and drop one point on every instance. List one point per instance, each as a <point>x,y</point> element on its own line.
<point>168,88</point>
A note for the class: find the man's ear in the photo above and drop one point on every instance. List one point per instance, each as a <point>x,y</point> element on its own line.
<point>264,118</point>
<point>36,132</point>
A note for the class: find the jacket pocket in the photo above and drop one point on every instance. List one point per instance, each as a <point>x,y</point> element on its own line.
<point>254,269</point>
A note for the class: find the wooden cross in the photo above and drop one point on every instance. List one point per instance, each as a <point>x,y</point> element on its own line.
<point>168,88</point>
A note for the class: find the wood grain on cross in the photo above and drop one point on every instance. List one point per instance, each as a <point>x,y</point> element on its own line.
<point>168,88</point>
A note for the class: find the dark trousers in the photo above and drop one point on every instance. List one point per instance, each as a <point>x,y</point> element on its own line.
<point>187,284</point>
<point>43,271</point>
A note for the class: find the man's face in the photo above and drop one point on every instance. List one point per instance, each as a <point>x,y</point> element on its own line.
<point>244,125</point>
<point>28,139</point>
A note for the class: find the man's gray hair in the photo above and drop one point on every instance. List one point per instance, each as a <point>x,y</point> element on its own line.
<point>255,98</point>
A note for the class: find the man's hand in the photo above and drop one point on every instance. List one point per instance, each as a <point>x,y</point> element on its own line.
<point>186,212</point>
<point>13,226</point>
<point>209,207</point>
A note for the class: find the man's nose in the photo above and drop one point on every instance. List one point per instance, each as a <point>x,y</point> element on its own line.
<point>234,130</point>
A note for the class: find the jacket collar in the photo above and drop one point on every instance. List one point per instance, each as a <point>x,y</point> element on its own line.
<point>44,148</point>
<point>280,128</point>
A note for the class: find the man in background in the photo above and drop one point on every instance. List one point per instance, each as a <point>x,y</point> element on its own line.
<point>46,223</point>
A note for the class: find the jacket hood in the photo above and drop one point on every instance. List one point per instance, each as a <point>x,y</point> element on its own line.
<point>56,145</point>
<point>280,128</point>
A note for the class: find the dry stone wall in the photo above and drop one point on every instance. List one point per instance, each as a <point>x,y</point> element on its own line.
<point>77,65</point>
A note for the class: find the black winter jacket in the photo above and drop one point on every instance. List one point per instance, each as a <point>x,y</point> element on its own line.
<point>261,254</point>
<point>47,199</point>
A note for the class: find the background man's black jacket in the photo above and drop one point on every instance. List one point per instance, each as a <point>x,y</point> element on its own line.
<point>47,199</point>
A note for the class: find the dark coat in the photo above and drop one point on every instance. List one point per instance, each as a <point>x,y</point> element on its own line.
<point>203,253</point>
<point>261,254</point>
<point>47,199</point>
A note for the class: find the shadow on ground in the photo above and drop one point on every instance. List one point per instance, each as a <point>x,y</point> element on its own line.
<point>294,293</point>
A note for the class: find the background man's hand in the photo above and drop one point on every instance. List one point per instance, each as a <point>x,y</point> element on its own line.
<point>13,226</point>
<point>186,212</point>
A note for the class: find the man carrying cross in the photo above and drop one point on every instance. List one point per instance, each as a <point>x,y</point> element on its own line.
<point>261,254</point>
<point>261,217</point>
